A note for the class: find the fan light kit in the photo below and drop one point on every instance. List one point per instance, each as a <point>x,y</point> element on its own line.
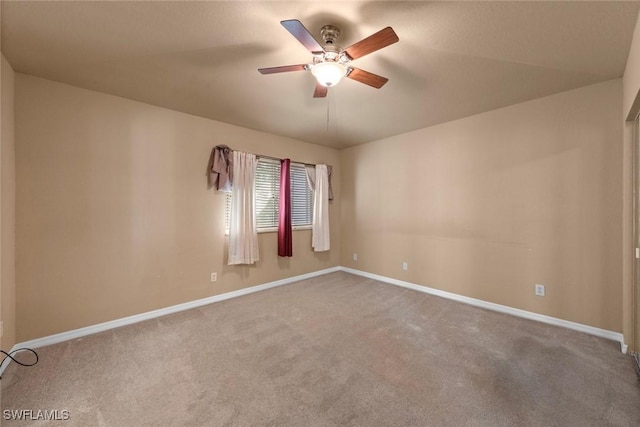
<point>328,73</point>
<point>331,63</point>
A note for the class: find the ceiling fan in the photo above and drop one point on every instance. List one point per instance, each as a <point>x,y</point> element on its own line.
<point>331,63</point>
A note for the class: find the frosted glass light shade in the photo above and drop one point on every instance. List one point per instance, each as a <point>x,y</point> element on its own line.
<point>328,73</point>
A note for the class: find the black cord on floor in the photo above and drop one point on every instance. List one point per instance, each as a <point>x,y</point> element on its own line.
<point>10,356</point>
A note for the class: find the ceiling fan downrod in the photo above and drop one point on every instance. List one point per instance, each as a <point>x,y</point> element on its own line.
<point>330,34</point>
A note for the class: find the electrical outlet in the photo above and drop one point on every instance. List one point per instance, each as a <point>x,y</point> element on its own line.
<point>405,265</point>
<point>214,277</point>
<point>540,290</point>
<point>355,257</point>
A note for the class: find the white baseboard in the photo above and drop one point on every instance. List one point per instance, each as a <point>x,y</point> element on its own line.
<point>101,327</point>
<point>112,324</point>
<point>603,333</point>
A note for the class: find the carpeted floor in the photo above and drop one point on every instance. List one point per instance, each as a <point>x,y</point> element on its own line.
<point>333,350</point>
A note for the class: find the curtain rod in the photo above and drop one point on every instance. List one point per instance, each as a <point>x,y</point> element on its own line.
<point>292,161</point>
<point>275,158</point>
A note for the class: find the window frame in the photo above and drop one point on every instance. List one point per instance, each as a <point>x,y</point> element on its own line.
<point>274,228</point>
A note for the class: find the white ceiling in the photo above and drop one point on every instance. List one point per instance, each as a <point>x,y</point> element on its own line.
<point>454,59</point>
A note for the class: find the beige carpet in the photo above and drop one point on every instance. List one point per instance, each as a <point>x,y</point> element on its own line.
<point>333,350</point>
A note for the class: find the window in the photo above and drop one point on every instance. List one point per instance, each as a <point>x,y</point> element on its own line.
<point>267,200</point>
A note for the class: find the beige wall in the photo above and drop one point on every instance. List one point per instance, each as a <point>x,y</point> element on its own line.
<point>631,78</point>
<point>630,108</point>
<point>113,213</point>
<point>490,205</point>
<point>7,208</point>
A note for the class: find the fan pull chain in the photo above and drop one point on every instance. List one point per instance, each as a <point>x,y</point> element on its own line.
<point>328,114</point>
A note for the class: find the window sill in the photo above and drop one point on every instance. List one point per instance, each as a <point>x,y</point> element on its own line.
<point>275,229</point>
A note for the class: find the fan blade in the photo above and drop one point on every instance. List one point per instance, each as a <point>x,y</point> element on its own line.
<point>382,38</point>
<point>367,78</point>
<point>303,35</point>
<point>320,91</point>
<point>283,69</point>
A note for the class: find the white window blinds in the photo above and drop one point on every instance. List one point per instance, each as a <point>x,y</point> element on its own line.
<point>267,190</point>
<point>267,196</point>
<point>301,197</point>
